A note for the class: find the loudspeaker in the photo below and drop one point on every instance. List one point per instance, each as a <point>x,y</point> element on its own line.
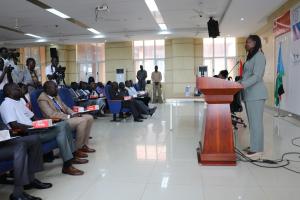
<point>213,28</point>
<point>53,52</point>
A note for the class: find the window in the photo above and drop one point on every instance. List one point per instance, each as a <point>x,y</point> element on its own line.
<point>37,53</point>
<point>219,54</point>
<point>91,61</point>
<point>149,53</point>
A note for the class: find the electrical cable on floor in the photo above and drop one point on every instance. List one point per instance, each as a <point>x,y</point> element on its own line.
<point>283,162</point>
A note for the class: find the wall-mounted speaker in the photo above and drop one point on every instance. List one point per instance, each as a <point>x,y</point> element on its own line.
<point>53,52</point>
<point>213,28</point>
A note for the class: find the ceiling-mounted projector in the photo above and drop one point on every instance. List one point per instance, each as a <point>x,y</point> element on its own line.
<point>102,8</point>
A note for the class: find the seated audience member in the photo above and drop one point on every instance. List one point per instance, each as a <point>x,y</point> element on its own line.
<point>18,117</point>
<point>25,97</point>
<point>100,89</point>
<point>52,107</point>
<point>136,108</point>
<point>26,153</point>
<point>108,83</point>
<point>115,95</point>
<point>96,99</point>
<point>5,74</point>
<point>144,109</point>
<point>223,74</point>
<point>30,77</point>
<point>137,95</point>
<point>79,99</point>
<point>91,80</point>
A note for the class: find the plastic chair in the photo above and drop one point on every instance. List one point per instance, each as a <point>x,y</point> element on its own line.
<point>66,97</point>
<point>115,106</point>
<point>34,103</point>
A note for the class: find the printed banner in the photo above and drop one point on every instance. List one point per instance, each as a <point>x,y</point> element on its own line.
<point>282,24</point>
<point>295,44</point>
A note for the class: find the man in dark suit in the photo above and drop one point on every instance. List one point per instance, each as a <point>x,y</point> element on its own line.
<point>142,107</point>
<point>115,95</point>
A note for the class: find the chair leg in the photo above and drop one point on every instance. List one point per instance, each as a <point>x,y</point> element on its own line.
<point>115,118</point>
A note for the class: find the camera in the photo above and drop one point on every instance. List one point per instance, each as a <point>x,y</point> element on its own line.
<point>60,74</point>
<point>10,68</point>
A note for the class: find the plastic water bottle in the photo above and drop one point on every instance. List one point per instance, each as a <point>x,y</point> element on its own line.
<point>187,90</point>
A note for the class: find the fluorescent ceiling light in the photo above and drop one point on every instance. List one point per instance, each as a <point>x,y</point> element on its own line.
<point>99,36</point>
<point>41,40</point>
<point>93,31</point>
<point>163,27</point>
<point>32,35</point>
<point>164,33</point>
<point>58,13</point>
<point>156,14</point>
<point>151,5</point>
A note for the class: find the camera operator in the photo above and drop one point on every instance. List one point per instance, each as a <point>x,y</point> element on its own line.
<point>10,60</point>
<point>5,74</point>
<point>55,72</point>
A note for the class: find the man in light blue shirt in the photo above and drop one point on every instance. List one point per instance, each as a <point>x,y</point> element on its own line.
<point>139,96</point>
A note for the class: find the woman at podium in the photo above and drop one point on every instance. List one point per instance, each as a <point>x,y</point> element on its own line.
<point>254,94</point>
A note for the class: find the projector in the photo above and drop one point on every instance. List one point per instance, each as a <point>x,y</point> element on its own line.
<point>102,8</point>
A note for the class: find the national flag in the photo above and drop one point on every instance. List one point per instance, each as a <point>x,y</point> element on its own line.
<point>279,90</point>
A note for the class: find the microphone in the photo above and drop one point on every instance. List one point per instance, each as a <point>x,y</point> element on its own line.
<point>236,64</point>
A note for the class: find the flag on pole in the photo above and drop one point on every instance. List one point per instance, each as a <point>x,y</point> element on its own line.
<point>279,84</point>
<point>241,68</point>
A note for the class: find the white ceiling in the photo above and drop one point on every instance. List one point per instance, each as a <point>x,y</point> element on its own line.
<point>131,19</point>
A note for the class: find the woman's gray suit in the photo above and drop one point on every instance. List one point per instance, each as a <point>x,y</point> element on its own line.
<point>254,96</point>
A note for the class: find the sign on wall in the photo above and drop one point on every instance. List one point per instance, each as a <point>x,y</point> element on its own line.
<point>295,15</point>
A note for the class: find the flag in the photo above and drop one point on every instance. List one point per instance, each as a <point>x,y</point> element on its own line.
<point>279,84</point>
<point>241,68</point>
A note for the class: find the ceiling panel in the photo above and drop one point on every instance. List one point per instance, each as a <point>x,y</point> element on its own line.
<point>129,19</point>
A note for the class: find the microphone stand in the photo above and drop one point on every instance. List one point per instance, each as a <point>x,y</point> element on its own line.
<point>234,67</point>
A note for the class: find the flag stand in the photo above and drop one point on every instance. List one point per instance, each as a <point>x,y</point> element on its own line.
<point>278,114</point>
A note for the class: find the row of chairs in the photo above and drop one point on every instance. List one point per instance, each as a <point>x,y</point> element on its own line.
<point>66,97</point>
<point>115,107</point>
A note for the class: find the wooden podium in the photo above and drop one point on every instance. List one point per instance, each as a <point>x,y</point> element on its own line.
<point>217,144</point>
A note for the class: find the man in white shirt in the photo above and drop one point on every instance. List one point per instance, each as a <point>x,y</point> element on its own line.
<point>18,117</point>
<point>53,72</point>
<point>142,96</point>
<point>156,78</point>
<point>51,68</point>
<point>9,62</point>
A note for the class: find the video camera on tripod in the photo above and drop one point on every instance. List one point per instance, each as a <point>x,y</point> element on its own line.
<point>59,74</point>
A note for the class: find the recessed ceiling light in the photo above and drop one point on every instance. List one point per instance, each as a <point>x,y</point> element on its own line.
<point>152,5</point>
<point>164,32</point>
<point>99,36</point>
<point>93,31</point>
<point>41,40</point>
<point>32,35</point>
<point>58,13</point>
<point>242,19</point>
<point>163,27</point>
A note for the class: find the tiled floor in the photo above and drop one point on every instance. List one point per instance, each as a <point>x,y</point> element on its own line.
<point>145,161</point>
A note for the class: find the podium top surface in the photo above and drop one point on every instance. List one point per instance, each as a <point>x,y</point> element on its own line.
<point>217,86</point>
